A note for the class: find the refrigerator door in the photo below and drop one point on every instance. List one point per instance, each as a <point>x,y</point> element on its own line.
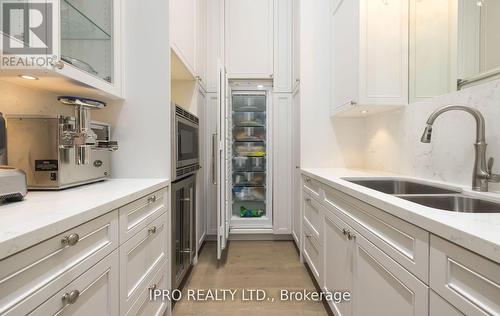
<point>223,164</point>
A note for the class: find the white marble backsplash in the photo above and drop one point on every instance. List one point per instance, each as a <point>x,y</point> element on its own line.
<point>393,138</point>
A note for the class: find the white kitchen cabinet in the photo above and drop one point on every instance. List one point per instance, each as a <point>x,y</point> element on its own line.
<point>85,54</point>
<point>466,280</point>
<point>201,42</point>
<point>32,276</point>
<point>337,261</point>
<point>215,42</point>
<point>380,286</point>
<point>249,37</point>
<point>296,175</point>
<point>296,45</point>
<point>93,293</point>
<point>312,250</point>
<point>183,31</point>
<point>282,158</point>
<point>210,171</point>
<point>202,183</point>
<point>369,55</point>
<point>140,257</point>
<point>433,53</point>
<point>283,46</point>
<point>439,307</point>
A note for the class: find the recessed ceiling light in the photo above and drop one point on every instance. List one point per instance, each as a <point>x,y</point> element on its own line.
<point>364,112</point>
<point>260,86</point>
<point>28,77</point>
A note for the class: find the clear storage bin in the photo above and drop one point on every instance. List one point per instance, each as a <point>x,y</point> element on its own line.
<point>249,178</point>
<point>249,164</point>
<point>249,134</point>
<point>250,119</point>
<point>250,149</point>
<point>249,103</point>
<point>249,194</point>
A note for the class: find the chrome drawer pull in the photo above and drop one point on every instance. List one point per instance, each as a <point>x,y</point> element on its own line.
<point>152,199</point>
<point>351,236</point>
<point>345,232</point>
<point>71,298</point>
<point>152,230</point>
<point>70,240</point>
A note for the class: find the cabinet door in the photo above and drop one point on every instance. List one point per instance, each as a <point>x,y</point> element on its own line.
<point>283,21</point>
<point>345,52</point>
<point>249,38</point>
<point>215,42</point>
<point>337,260</point>
<point>433,60</point>
<point>88,43</point>
<point>183,31</point>
<point>383,52</point>
<point>296,44</point>
<point>439,307</point>
<point>296,177</point>
<point>201,49</point>
<point>282,155</point>
<point>381,286</point>
<point>93,293</point>
<point>202,184</point>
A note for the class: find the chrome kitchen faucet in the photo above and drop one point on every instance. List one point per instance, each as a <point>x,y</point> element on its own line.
<point>482,173</point>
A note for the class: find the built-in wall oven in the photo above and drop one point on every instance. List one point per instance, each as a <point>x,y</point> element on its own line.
<point>185,145</point>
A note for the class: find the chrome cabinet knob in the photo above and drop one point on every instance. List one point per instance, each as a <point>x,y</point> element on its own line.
<point>153,287</point>
<point>344,231</point>
<point>152,199</point>
<point>71,297</point>
<point>152,230</point>
<point>308,200</point>
<point>57,64</point>
<point>70,240</point>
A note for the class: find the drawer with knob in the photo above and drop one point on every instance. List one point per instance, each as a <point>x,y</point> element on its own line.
<point>312,187</point>
<point>140,257</point>
<point>312,213</point>
<point>93,293</point>
<point>143,306</point>
<point>138,214</point>
<point>312,252</point>
<point>32,276</point>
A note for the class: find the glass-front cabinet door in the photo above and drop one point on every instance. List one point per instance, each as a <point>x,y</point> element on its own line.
<point>88,48</point>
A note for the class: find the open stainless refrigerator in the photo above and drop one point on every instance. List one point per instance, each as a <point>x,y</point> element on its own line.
<point>242,165</point>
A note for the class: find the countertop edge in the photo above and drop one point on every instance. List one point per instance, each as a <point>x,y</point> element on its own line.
<point>472,242</point>
<point>26,240</point>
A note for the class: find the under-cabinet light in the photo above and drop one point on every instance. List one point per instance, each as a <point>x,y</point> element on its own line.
<point>28,77</point>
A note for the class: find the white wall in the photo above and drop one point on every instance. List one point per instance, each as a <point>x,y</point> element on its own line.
<point>142,122</point>
<point>324,142</point>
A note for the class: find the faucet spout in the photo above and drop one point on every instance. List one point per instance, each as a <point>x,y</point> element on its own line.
<point>482,173</point>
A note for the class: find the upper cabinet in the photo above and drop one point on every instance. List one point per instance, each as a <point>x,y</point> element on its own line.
<point>369,54</point>
<point>249,31</point>
<point>296,44</point>
<point>201,59</point>
<point>83,44</point>
<point>183,31</point>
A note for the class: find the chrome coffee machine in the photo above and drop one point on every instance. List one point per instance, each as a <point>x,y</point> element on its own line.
<point>60,151</point>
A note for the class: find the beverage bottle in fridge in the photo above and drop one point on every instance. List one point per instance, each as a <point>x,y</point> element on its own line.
<point>244,212</point>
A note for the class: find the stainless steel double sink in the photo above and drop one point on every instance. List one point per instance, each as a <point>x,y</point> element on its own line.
<point>429,195</point>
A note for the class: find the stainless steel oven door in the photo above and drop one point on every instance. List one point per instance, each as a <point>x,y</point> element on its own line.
<point>186,147</point>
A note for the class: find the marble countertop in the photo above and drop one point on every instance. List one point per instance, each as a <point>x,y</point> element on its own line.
<point>44,214</point>
<point>478,232</point>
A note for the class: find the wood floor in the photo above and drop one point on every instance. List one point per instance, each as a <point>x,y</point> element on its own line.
<point>266,265</point>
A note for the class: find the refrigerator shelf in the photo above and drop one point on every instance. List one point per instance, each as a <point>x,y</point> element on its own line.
<point>249,134</point>
<point>249,103</point>
<point>249,194</point>
<point>249,119</point>
<point>257,179</point>
<point>249,164</point>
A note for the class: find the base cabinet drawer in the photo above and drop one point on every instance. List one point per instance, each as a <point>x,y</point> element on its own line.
<point>383,287</point>
<point>143,306</point>
<point>439,307</point>
<point>312,213</point>
<point>312,252</point>
<point>140,257</point>
<point>93,293</point>
<point>138,214</point>
<point>404,242</point>
<point>32,276</point>
<point>468,281</point>
<point>312,187</point>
